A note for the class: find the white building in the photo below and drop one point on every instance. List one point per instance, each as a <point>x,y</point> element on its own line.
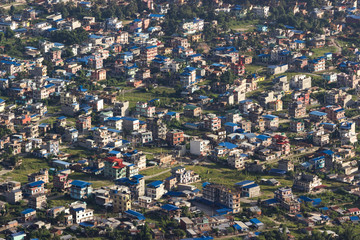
<point>199,147</point>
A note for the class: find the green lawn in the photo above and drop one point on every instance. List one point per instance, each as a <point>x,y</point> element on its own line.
<point>318,52</point>
<point>28,166</point>
<point>253,68</point>
<point>161,177</point>
<point>243,25</point>
<point>97,181</point>
<point>140,95</point>
<point>80,152</point>
<point>152,171</point>
<point>153,150</point>
<point>61,201</point>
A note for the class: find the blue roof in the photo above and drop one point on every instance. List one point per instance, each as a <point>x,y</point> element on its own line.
<point>86,224</point>
<point>242,183</point>
<point>61,162</point>
<point>263,137</point>
<point>228,145</point>
<point>169,207</point>
<point>255,221</point>
<point>155,184</point>
<point>81,184</point>
<point>250,186</point>
<point>354,218</point>
<point>230,124</point>
<point>36,184</point>
<point>277,171</point>
<point>26,211</point>
<point>133,213</point>
<point>18,234</point>
<point>271,201</point>
<point>156,15</point>
<point>271,117</point>
<point>328,152</point>
<point>324,208</point>
<point>317,113</point>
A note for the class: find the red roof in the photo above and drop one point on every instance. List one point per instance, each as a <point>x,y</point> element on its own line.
<point>118,162</point>
<point>353,210</point>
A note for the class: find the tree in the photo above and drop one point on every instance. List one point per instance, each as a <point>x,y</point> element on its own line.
<point>9,33</point>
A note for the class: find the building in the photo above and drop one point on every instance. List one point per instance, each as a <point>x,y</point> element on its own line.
<point>121,201</point>
<point>300,82</point>
<point>136,185</point>
<point>306,182</point>
<point>184,176</point>
<point>81,213</point>
<point>61,182</point>
<point>114,168</point>
<point>199,147</point>
<point>157,127</point>
<point>80,189</point>
<point>143,109</point>
<point>38,201</point>
<point>317,65</point>
<point>287,200</point>
<point>219,194</point>
<point>155,190</point>
<point>175,137</point>
<point>249,188</point>
<point>212,122</point>
<point>42,175</point>
<point>192,111</point>
<point>149,53</point>
<point>347,133</point>
<point>188,77</point>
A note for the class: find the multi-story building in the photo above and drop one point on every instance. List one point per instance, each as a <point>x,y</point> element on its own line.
<point>192,111</point>
<point>155,190</point>
<point>114,168</point>
<point>136,185</point>
<point>297,109</point>
<point>212,122</point>
<point>261,11</point>
<point>121,108</point>
<point>81,213</point>
<point>188,77</point>
<point>149,53</point>
<point>306,182</point>
<point>13,196</point>
<point>219,194</point>
<point>83,123</point>
<point>184,176</point>
<point>175,137</point>
<point>300,82</point>
<point>271,122</point>
<point>297,125</point>
<point>199,147</point>
<point>194,26</point>
<point>121,201</point>
<point>287,200</point>
<point>34,188</point>
<point>42,175</point>
<point>80,189</point>
<point>37,201</point>
<point>335,113</point>
<point>317,65</point>
<point>237,160</point>
<point>143,109</point>
<point>61,182</point>
<point>157,127</point>
<point>347,133</point>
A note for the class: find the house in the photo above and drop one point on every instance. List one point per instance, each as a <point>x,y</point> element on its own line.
<point>121,201</point>
<point>271,122</point>
<point>136,185</point>
<point>219,194</point>
<point>80,189</point>
<point>61,182</point>
<point>306,182</point>
<point>28,214</point>
<point>249,188</point>
<point>192,111</point>
<point>199,147</point>
<point>155,190</point>
<point>175,137</point>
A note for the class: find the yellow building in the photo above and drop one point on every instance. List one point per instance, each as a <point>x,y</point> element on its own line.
<point>121,202</point>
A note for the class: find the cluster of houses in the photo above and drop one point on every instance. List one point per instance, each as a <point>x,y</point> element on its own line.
<point>294,117</point>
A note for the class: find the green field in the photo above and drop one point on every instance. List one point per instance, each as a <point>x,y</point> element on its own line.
<point>97,181</point>
<point>152,171</point>
<point>243,25</point>
<point>140,95</point>
<point>28,166</point>
<point>318,52</point>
